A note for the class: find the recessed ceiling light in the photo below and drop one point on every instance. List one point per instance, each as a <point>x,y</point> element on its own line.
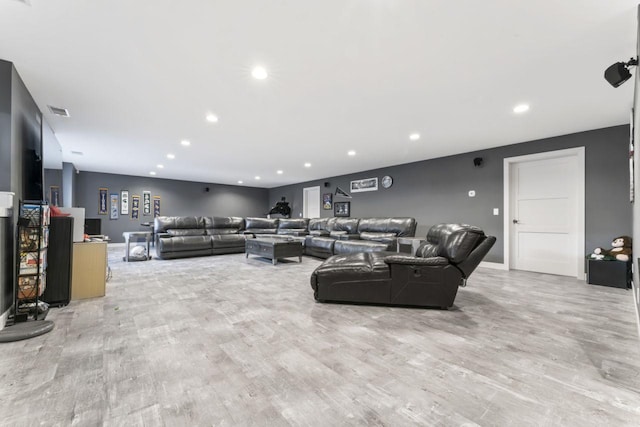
<point>212,118</point>
<point>240,182</point>
<point>521,108</point>
<point>307,165</point>
<point>279,172</point>
<point>259,73</point>
<point>185,142</point>
<point>78,153</point>
<point>257,178</point>
<point>414,136</point>
<point>152,173</point>
<point>160,166</point>
<point>171,156</point>
<point>351,152</point>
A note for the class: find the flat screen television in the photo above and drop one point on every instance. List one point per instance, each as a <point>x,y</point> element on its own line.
<point>93,226</point>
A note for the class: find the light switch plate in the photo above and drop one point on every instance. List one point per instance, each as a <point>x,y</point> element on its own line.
<point>496,211</point>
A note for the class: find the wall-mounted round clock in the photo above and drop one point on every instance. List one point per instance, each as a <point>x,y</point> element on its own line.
<point>387,181</point>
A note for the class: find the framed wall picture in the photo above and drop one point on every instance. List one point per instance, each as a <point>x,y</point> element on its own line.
<point>135,206</point>
<point>102,201</point>
<point>368,184</point>
<point>342,209</point>
<point>124,202</point>
<point>54,195</point>
<point>113,206</point>
<point>156,206</point>
<point>146,203</point>
<point>327,201</point>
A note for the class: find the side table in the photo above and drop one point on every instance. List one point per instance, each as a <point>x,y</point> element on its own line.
<point>135,235</point>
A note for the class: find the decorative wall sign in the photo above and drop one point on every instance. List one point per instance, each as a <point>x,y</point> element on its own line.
<point>135,206</point>
<point>124,202</point>
<point>327,201</point>
<point>156,206</point>
<point>54,195</point>
<point>340,192</point>
<point>113,206</point>
<point>146,203</point>
<point>102,205</point>
<point>368,184</point>
<point>342,209</point>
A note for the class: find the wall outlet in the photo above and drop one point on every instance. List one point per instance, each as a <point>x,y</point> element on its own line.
<point>300,214</point>
<point>472,193</point>
<point>496,211</point>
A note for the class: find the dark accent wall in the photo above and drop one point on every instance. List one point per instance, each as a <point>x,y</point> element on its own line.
<point>21,169</point>
<point>435,191</point>
<point>177,198</point>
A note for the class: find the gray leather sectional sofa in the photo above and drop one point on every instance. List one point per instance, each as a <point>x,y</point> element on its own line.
<point>178,237</point>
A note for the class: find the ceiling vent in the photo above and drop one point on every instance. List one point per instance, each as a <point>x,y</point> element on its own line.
<point>62,112</point>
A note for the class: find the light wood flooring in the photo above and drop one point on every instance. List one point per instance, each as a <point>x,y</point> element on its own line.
<point>229,341</point>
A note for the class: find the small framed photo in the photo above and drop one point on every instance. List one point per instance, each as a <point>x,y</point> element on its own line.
<point>342,209</point>
<point>368,184</point>
<point>327,201</point>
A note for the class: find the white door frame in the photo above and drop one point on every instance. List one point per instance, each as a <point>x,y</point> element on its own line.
<point>580,200</point>
<point>305,212</point>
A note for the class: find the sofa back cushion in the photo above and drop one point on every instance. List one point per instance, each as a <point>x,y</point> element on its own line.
<point>223,225</point>
<point>388,238</point>
<point>318,224</point>
<point>162,224</point>
<point>293,223</point>
<point>185,232</point>
<point>452,241</point>
<point>261,225</point>
<point>401,227</point>
<point>350,225</point>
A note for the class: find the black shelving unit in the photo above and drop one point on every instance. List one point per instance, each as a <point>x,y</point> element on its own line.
<point>31,268</point>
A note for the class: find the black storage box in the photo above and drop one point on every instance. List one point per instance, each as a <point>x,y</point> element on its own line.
<point>609,273</point>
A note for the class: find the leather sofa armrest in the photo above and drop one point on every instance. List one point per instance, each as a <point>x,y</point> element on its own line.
<point>411,260</point>
<point>349,237</point>
<point>161,235</point>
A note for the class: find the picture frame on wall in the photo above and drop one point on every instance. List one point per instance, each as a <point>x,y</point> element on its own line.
<point>102,201</point>
<point>342,209</point>
<point>124,202</point>
<point>327,201</point>
<point>146,203</point>
<point>114,204</point>
<point>54,195</point>
<point>367,184</point>
<point>156,206</point>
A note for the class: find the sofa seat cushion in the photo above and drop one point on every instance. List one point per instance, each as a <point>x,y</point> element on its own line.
<point>228,241</point>
<point>318,233</point>
<point>186,232</point>
<point>293,231</point>
<point>359,266</point>
<point>261,231</point>
<point>355,246</point>
<point>323,244</point>
<point>184,243</point>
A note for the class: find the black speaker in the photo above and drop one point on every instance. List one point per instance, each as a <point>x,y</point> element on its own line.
<point>326,184</point>
<point>477,162</point>
<point>617,74</point>
<point>206,189</point>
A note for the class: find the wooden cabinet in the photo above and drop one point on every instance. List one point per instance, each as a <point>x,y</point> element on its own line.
<point>89,273</point>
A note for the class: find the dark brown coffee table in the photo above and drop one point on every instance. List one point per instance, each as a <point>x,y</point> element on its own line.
<point>273,248</point>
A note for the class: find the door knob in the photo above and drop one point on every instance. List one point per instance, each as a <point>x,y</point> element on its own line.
<point>515,221</point>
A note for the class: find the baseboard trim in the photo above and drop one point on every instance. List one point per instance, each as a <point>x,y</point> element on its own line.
<point>493,265</point>
<point>3,318</point>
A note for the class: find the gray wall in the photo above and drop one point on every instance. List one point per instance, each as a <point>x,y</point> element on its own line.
<point>436,190</point>
<point>53,177</point>
<point>176,198</point>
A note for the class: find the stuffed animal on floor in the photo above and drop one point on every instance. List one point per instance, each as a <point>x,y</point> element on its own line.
<point>620,251</point>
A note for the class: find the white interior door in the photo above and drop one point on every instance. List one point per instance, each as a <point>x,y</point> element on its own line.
<point>545,215</point>
<point>311,202</point>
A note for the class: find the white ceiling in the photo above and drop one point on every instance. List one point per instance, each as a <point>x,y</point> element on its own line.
<point>139,76</point>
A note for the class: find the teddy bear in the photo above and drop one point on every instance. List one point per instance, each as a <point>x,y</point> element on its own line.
<point>621,250</point>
